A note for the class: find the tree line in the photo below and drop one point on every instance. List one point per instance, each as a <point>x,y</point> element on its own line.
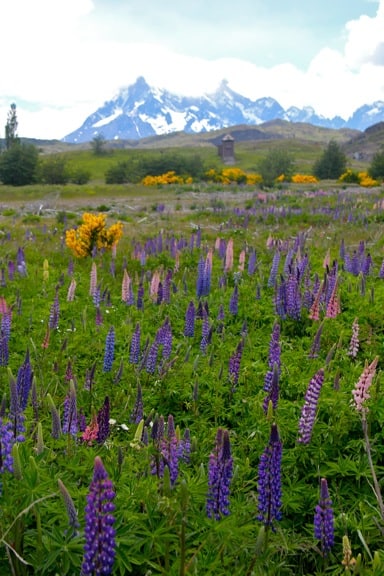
<point>20,163</point>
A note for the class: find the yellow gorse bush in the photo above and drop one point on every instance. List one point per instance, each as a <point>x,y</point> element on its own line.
<point>366,180</point>
<point>304,179</point>
<point>93,234</point>
<point>232,175</point>
<point>169,177</point>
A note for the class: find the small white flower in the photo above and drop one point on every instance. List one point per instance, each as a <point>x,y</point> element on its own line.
<point>112,422</point>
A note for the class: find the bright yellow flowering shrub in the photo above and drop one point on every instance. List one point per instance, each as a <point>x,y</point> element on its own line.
<point>169,177</point>
<point>232,175</point>
<point>361,178</point>
<point>366,180</point>
<point>304,179</point>
<point>93,234</point>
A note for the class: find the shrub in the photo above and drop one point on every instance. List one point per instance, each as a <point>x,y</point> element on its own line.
<point>19,165</point>
<point>331,164</point>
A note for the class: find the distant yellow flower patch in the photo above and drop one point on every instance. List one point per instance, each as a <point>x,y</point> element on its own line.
<point>169,177</point>
<point>304,179</point>
<point>93,234</point>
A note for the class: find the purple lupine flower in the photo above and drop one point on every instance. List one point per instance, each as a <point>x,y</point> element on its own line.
<point>273,355</point>
<point>99,547</point>
<point>134,349</point>
<point>20,262</point>
<point>252,263</point>
<point>189,326</point>
<point>274,269</point>
<point>159,297</point>
<point>205,331</point>
<point>293,296</point>
<point>4,349</point>
<point>323,519</point>
<point>220,320</point>
<point>234,364</point>
<point>90,376</point>
<point>7,440</point>
<point>273,392</point>
<point>269,481</point>
<point>54,313</point>
<point>185,446</point>
<point>167,287</point>
<point>308,412</point>
<point>169,447</point>
<point>24,382</point>
<point>151,362</point>
<point>55,417</point>
<point>70,421</point>
<point>109,353</point>
<point>381,271</point>
<point>140,297</point>
<point>200,278</point>
<point>315,348</point>
<point>11,269</point>
<point>234,301</point>
<point>103,422</point>
<point>16,414</point>
<point>366,265</point>
<point>73,520</point>
<point>281,299</point>
<point>354,342</point>
<point>138,409</point>
<point>220,471</point>
<point>157,434</point>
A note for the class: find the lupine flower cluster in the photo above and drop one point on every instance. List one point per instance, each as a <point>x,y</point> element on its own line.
<point>323,520</point>
<point>308,412</point>
<point>220,471</point>
<point>273,355</point>
<point>92,235</point>
<point>234,364</point>
<point>99,547</point>
<point>109,353</point>
<point>269,481</point>
<point>170,449</point>
<point>354,343</point>
<point>361,391</point>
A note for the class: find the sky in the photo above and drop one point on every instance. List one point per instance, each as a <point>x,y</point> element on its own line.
<point>62,59</point>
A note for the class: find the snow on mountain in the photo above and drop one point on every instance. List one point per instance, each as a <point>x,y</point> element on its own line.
<point>139,111</point>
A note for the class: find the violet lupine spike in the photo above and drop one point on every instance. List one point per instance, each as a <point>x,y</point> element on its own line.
<point>20,262</point>
<point>54,313</point>
<point>252,263</point>
<point>315,348</point>
<point>138,409</point>
<point>73,520</point>
<point>189,325</point>
<point>134,349</point>
<point>274,269</point>
<point>273,393</point>
<point>273,355</point>
<point>167,287</point>
<point>205,330</point>
<point>220,472</point>
<point>70,417</point>
<point>170,451</point>
<point>200,278</point>
<point>90,376</point>
<point>269,481</point>
<point>234,364</point>
<point>109,354</point>
<point>140,297</point>
<point>7,440</point>
<point>354,343</point>
<point>308,412</point>
<point>103,421</point>
<point>4,349</point>
<point>324,519</point>
<point>24,381</point>
<point>293,297</point>
<point>151,361</point>
<point>55,417</point>
<point>99,547</point>
<point>234,301</point>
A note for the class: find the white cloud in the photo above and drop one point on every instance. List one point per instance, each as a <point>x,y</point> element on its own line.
<point>56,60</point>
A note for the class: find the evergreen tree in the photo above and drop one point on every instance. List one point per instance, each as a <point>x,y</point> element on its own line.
<point>18,165</point>
<point>331,164</point>
<point>11,128</point>
<point>376,167</point>
<point>276,163</point>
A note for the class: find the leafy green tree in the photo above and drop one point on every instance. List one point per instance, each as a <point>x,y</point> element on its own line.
<point>11,128</point>
<point>80,176</point>
<point>376,167</point>
<point>98,145</point>
<point>54,170</point>
<point>118,174</point>
<point>331,164</point>
<point>19,165</point>
<point>277,162</point>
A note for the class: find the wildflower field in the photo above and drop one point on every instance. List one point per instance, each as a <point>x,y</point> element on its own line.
<point>194,387</point>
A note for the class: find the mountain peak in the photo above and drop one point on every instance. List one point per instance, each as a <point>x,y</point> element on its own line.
<point>141,110</point>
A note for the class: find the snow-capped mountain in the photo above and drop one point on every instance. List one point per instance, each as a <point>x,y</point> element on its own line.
<point>140,110</point>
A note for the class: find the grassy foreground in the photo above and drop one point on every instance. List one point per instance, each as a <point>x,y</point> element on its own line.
<point>302,266</point>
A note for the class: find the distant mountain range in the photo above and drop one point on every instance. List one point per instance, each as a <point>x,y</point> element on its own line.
<point>140,110</point>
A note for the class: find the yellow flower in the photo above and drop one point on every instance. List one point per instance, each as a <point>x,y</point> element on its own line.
<point>91,234</point>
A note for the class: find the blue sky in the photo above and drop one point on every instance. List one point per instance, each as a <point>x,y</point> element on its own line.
<point>61,59</point>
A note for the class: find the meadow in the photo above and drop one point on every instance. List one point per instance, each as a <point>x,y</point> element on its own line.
<point>203,396</point>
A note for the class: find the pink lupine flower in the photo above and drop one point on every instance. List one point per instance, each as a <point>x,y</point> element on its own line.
<point>333,308</point>
<point>229,256</point>
<point>91,432</point>
<point>314,312</point>
<point>126,282</point>
<point>154,287</point>
<point>361,391</point>
<point>93,279</point>
<point>354,342</point>
<point>242,260</point>
<point>71,291</point>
